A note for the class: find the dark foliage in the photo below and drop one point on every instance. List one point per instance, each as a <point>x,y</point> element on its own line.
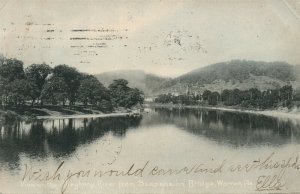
<point>252,98</point>
<point>62,85</point>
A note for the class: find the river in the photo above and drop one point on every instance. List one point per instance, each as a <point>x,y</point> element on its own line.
<point>162,139</point>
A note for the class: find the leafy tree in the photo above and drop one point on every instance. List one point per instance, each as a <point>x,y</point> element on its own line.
<point>123,95</point>
<point>91,90</point>
<point>18,91</point>
<point>12,69</point>
<point>225,95</point>
<point>2,58</point>
<point>37,74</point>
<point>119,90</point>
<point>72,79</point>
<point>213,98</point>
<point>206,94</point>
<point>135,96</point>
<point>164,98</point>
<point>55,90</point>
<point>255,94</point>
<point>286,94</point>
<point>3,92</point>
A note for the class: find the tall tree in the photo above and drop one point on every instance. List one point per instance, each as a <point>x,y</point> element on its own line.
<point>214,97</point>
<point>55,90</point>
<point>37,74</point>
<point>123,95</point>
<point>118,90</point>
<point>206,95</point>
<point>18,91</point>
<point>225,95</point>
<point>72,79</point>
<point>91,90</point>
<point>286,94</point>
<point>135,96</point>
<point>12,69</point>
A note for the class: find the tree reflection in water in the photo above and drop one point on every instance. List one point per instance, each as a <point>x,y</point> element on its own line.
<point>231,128</point>
<point>59,137</point>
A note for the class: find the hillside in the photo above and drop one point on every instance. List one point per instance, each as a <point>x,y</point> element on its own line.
<point>148,83</point>
<point>239,74</point>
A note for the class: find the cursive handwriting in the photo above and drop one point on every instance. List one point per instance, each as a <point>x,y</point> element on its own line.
<point>40,175</point>
<point>270,182</point>
<point>265,181</point>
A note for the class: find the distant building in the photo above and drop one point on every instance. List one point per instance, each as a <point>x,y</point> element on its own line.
<point>149,99</point>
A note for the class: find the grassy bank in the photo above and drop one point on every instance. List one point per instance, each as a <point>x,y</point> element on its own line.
<point>28,113</point>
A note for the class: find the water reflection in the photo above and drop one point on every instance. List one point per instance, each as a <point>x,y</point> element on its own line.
<point>230,128</point>
<point>60,137</point>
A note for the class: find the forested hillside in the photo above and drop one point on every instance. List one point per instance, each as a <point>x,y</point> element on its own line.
<point>239,74</point>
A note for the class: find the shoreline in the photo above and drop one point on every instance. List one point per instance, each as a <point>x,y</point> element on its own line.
<point>62,113</point>
<point>290,114</point>
<point>82,116</point>
<point>271,113</point>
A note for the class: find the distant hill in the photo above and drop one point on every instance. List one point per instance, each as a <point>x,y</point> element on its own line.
<point>239,74</point>
<point>148,83</point>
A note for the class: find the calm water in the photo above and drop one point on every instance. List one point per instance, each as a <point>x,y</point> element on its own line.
<point>167,138</point>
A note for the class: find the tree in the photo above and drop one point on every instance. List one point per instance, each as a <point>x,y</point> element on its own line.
<point>225,95</point>
<point>255,94</point>
<point>286,94</point>
<point>165,98</point>
<point>91,90</point>
<point>18,91</point>
<point>234,97</point>
<point>2,58</point>
<point>55,90</point>
<point>3,93</point>
<point>123,95</point>
<point>12,69</point>
<point>206,95</point>
<point>72,79</point>
<point>213,98</point>
<point>135,96</point>
<point>119,90</point>
<point>296,95</point>
<point>37,74</point>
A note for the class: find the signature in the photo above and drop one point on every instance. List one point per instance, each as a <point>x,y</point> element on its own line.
<point>270,182</point>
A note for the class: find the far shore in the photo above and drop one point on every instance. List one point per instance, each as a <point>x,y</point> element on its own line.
<point>284,113</point>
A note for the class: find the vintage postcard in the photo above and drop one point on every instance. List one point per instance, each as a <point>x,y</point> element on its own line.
<point>160,96</point>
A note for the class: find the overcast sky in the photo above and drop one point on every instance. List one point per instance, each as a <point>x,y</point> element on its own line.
<point>163,37</point>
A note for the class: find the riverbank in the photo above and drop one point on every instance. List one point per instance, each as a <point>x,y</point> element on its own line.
<point>77,116</point>
<point>58,112</point>
<point>278,113</point>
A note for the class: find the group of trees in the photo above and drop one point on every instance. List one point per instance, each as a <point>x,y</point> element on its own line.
<point>252,98</point>
<point>61,85</point>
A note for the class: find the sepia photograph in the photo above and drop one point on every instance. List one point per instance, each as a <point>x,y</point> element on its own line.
<point>149,97</point>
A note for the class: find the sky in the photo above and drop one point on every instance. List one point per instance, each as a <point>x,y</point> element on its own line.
<point>167,38</point>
